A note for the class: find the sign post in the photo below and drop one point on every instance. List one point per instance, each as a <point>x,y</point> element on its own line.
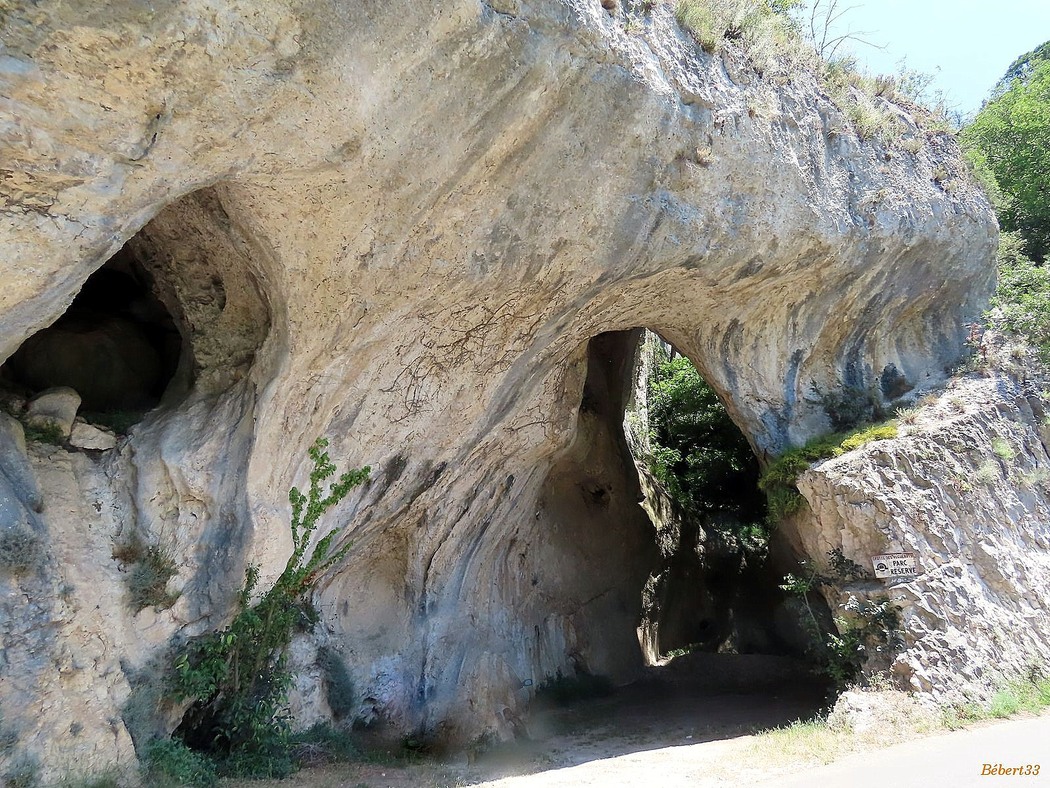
<point>896,565</point>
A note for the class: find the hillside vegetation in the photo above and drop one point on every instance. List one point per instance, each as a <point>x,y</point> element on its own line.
<point>1008,144</point>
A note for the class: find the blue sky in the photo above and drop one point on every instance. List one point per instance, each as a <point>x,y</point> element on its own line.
<point>972,42</point>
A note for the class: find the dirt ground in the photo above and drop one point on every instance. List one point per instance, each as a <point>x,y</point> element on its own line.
<point>696,710</point>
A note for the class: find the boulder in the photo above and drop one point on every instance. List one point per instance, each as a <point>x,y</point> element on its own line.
<point>54,408</point>
<point>965,489</point>
<point>88,436</point>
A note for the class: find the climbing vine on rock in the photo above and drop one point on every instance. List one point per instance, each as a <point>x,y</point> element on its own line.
<point>237,678</point>
<point>864,629</point>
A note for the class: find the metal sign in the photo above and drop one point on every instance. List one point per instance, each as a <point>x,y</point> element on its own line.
<point>896,565</point>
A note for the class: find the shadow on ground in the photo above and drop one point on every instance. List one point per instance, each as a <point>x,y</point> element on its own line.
<point>695,698</point>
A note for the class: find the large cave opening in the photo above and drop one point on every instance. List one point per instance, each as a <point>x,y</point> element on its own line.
<point>117,344</point>
<point>179,309</point>
<point>660,489</point>
<point>717,588</point>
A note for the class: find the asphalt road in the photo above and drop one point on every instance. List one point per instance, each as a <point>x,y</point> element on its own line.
<point>976,757</point>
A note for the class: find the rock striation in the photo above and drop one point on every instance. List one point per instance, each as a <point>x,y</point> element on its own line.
<point>965,489</point>
<point>399,225</point>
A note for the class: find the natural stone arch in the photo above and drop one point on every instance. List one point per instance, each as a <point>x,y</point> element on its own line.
<point>435,248</point>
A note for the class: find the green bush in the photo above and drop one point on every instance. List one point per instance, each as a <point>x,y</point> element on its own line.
<point>110,780</point>
<point>850,405</point>
<point>168,762</point>
<point>149,568</point>
<point>120,421</point>
<point>1002,449</point>
<point>865,435</point>
<point>865,627</point>
<point>1028,692</point>
<point>751,21</point>
<point>779,480</point>
<point>237,678</point>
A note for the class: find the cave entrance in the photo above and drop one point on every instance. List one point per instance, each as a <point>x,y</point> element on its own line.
<point>716,588</point>
<point>117,345</point>
<point>178,308</point>
<point>660,492</point>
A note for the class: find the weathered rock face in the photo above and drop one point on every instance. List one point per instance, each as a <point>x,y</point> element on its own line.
<point>965,488</point>
<point>398,225</point>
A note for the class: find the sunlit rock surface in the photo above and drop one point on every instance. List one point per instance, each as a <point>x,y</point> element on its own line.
<point>966,489</point>
<point>397,225</point>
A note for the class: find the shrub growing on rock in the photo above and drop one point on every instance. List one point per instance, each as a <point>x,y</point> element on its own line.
<point>778,481</point>
<point>148,581</point>
<point>149,568</point>
<point>237,678</point>
<point>866,627</point>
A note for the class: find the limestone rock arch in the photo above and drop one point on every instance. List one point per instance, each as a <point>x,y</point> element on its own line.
<point>440,205</point>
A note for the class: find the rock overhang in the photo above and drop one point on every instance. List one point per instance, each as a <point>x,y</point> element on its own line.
<point>432,210</point>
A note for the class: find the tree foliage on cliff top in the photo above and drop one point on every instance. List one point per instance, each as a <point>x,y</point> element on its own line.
<point>1009,146</point>
<point>1010,140</point>
<point>1021,305</point>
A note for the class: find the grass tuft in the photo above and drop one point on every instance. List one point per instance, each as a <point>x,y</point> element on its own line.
<point>824,739</point>
<point>148,581</point>
<point>1002,449</point>
<point>778,481</point>
<point>44,433</point>
<point>150,569</point>
<point>1024,694</point>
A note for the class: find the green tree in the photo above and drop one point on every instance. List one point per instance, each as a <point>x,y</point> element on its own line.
<point>1022,68</point>
<point>1022,297</point>
<point>699,453</point>
<point>1010,139</point>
